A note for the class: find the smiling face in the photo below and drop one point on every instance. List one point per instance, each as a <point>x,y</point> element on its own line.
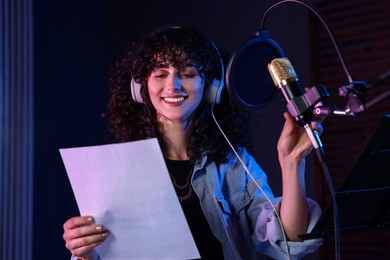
<point>175,93</point>
<point>174,65</point>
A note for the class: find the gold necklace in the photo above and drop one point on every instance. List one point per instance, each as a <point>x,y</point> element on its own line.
<point>181,188</point>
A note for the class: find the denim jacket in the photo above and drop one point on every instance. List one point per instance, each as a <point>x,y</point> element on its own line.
<point>239,214</point>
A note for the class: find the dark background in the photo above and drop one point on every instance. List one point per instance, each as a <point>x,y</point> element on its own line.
<point>77,42</point>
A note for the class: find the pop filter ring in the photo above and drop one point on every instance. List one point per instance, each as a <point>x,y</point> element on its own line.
<point>244,80</point>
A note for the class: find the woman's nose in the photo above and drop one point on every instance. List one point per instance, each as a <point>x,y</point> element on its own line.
<point>174,82</point>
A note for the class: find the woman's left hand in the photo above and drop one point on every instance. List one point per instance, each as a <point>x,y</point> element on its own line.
<point>294,143</point>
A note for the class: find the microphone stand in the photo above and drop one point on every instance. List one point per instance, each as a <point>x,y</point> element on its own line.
<point>356,102</point>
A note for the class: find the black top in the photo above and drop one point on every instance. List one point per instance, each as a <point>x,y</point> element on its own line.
<point>209,247</point>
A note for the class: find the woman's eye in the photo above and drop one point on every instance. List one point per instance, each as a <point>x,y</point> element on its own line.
<point>187,75</point>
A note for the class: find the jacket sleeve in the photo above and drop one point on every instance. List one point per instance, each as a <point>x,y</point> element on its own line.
<point>269,239</point>
<point>267,235</point>
<point>97,257</point>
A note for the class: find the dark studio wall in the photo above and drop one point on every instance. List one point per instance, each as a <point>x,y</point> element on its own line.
<point>76,42</point>
<point>71,56</point>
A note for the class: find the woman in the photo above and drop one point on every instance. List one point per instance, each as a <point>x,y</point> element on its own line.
<point>162,89</point>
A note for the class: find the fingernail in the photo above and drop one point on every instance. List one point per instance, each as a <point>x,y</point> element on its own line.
<point>99,228</point>
<point>89,220</point>
<point>106,234</point>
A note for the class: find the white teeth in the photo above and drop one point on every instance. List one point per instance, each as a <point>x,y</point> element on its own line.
<point>176,99</point>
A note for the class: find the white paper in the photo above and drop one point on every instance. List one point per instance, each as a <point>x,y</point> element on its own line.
<point>127,188</point>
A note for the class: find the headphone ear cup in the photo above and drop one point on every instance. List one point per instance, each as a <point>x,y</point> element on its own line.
<point>136,91</point>
<point>214,92</point>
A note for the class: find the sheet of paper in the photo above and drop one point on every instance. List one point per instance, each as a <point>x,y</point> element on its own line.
<point>127,188</point>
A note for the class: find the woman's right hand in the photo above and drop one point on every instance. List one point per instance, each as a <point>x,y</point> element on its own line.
<point>82,235</point>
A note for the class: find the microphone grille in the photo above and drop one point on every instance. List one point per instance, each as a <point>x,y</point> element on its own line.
<point>282,71</point>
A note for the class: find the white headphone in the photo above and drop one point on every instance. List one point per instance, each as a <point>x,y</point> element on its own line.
<point>212,94</point>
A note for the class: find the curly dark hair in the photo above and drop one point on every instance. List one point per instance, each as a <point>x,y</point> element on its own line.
<point>180,47</point>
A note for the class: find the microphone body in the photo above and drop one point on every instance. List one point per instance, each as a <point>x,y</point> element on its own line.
<point>293,97</point>
<point>299,104</point>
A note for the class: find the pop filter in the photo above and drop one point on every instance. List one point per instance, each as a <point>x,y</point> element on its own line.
<point>247,77</point>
